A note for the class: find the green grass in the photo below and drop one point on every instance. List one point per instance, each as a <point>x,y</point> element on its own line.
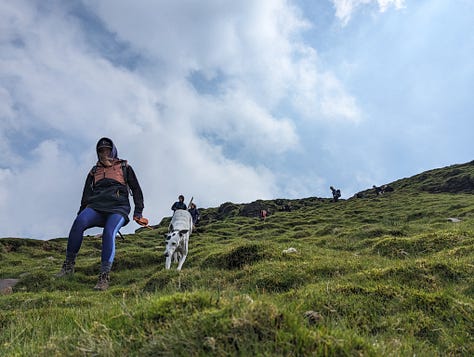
<point>386,275</point>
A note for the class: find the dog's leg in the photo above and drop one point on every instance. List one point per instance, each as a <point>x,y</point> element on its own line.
<point>181,261</point>
<point>184,253</point>
<point>168,262</point>
<point>175,257</point>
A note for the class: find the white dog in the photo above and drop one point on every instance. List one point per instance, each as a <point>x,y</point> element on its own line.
<point>177,238</point>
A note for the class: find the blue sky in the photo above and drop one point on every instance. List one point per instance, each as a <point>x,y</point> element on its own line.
<point>227,100</point>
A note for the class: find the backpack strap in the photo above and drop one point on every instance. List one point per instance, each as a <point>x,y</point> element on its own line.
<point>92,173</point>
<point>124,164</point>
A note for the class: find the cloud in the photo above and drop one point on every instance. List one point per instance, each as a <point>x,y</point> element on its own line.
<point>58,84</point>
<point>319,96</point>
<point>236,120</point>
<point>346,8</point>
<point>33,202</point>
<point>251,47</point>
<point>72,73</point>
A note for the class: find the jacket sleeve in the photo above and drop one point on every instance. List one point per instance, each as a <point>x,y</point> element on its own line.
<point>136,192</point>
<point>86,192</point>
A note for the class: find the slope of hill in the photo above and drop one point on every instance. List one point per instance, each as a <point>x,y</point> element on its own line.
<point>378,275</point>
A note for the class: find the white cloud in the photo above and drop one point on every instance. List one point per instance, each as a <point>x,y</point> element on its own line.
<point>235,118</point>
<point>40,199</point>
<point>345,8</point>
<point>254,46</point>
<point>336,103</point>
<point>60,92</point>
<point>59,84</point>
<point>319,95</point>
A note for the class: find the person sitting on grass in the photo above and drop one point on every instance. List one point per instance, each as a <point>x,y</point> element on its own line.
<point>104,204</point>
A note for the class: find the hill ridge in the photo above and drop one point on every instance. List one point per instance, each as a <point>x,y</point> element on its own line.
<point>457,178</point>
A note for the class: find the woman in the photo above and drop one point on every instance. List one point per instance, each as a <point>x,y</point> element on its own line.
<point>104,204</point>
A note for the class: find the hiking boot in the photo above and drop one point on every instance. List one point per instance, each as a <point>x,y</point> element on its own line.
<point>103,283</point>
<point>67,269</point>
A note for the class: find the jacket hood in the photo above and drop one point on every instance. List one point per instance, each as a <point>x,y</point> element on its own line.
<point>103,142</point>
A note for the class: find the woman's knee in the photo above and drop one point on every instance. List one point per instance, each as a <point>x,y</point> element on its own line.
<point>87,218</point>
<point>80,223</point>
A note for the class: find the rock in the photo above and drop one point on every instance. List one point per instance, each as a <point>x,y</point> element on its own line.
<point>6,291</point>
<point>253,209</point>
<point>313,317</point>
<point>6,286</point>
<point>209,343</point>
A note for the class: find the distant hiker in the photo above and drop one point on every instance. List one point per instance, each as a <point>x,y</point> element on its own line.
<point>194,214</point>
<point>104,204</point>
<point>382,189</point>
<point>179,204</point>
<point>263,214</point>
<point>335,194</point>
<point>378,190</point>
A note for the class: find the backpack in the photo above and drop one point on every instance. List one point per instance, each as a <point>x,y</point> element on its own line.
<point>124,165</point>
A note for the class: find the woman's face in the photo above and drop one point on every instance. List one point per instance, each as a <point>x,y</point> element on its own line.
<point>105,152</point>
<point>104,156</point>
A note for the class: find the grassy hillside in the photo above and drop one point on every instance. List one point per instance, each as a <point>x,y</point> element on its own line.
<point>379,275</point>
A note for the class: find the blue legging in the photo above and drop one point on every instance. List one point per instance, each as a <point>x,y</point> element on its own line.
<point>89,218</point>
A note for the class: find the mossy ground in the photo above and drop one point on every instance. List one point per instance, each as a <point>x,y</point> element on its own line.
<point>387,275</point>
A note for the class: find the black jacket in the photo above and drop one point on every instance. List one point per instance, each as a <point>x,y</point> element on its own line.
<point>178,205</point>
<point>111,196</point>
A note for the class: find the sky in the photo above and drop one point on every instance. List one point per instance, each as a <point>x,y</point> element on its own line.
<point>227,101</point>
